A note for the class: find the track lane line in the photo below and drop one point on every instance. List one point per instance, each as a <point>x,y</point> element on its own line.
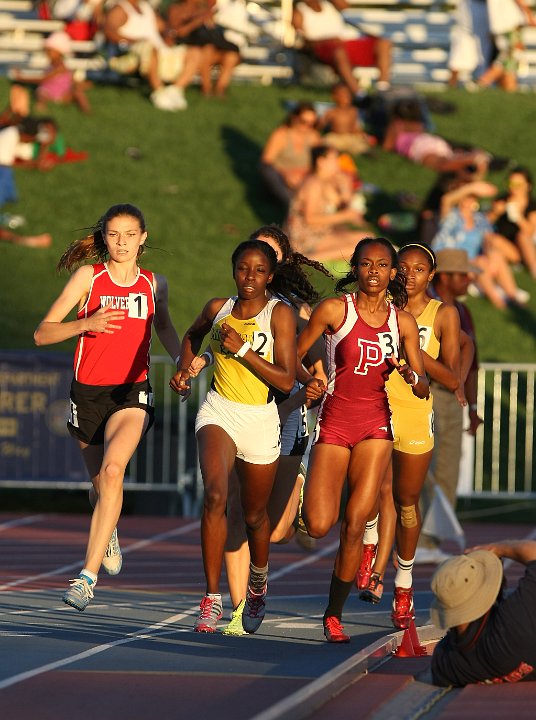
<point>28,520</point>
<point>184,530</point>
<point>152,630</point>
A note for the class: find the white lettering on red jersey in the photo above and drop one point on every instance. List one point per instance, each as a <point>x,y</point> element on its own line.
<point>122,356</point>
<point>359,356</point>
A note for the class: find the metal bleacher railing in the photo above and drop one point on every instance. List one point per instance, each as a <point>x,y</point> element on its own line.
<point>166,460</point>
<point>419,29</point>
<point>503,452</point>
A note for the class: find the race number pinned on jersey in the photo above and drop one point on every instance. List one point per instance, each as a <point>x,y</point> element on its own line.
<point>425,333</point>
<point>387,344</point>
<point>138,306</point>
<point>262,343</point>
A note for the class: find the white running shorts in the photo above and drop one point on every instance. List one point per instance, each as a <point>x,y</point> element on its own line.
<point>254,429</point>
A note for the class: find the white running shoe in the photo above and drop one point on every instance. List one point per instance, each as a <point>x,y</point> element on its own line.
<point>80,593</point>
<point>113,560</point>
<point>176,97</point>
<point>162,100</point>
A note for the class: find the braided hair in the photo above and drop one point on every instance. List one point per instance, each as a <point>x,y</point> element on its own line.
<point>289,279</point>
<point>396,287</point>
<point>93,246</point>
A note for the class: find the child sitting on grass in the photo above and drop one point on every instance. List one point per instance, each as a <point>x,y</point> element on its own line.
<point>343,123</point>
<point>57,84</point>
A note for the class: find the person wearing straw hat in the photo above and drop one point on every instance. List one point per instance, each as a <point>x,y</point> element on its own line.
<point>491,636</point>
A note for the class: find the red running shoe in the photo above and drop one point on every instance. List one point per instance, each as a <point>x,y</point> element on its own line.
<point>333,630</point>
<point>373,593</point>
<point>210,611</point>
<point>403,612</point>
<point>365,569</point>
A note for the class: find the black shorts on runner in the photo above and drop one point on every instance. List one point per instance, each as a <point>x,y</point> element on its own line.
<point>93,405</point>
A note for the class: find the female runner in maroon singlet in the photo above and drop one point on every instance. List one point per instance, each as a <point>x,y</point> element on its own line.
<point>365,333</point>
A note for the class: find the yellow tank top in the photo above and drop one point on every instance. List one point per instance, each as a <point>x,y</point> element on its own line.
<point>233,377</point>
<point>398,391</point>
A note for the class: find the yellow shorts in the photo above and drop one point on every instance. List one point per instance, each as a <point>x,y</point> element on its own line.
<point>413,429</point>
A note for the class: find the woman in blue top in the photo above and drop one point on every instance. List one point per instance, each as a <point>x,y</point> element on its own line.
<point>464,226</point>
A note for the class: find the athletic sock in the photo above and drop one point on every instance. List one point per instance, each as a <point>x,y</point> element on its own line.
<point>88,575</point>
<point>338,593</point>
<point>258,578</point>
<point>370,536</point>
<point>404,574</point>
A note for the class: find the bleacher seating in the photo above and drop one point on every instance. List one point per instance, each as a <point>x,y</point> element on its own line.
<point>419,30</point>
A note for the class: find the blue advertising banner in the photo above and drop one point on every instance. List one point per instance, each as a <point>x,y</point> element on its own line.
<point>34,405</point>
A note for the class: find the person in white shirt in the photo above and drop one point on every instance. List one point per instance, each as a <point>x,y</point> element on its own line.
<point>506,20</point>
<point>333,41</point>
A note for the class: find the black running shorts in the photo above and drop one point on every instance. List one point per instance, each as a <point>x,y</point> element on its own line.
<point>93,405</point>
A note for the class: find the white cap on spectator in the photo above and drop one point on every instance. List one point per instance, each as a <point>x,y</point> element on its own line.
<point>59,41</point>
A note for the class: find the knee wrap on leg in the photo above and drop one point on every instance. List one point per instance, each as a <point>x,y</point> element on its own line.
<point>408,516</point>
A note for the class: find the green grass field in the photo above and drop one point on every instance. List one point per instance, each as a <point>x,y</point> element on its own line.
<point>196,181</point>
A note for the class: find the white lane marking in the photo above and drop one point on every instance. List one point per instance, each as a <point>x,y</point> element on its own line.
<point>135,546</point>
<point>14,633</point>
<point>131,637</point>
<point>21,521</point>
<point>151,631</point>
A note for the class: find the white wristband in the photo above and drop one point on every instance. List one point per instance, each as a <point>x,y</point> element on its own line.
<point>415,377</point>
<point>243,350</point>
<point>177,359</point>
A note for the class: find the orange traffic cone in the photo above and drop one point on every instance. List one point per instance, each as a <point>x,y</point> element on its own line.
<point>410,645</point>
<point>405,649</point>
<point>418,649</point>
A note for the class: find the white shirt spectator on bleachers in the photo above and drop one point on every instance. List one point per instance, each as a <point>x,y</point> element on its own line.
<point>233,17</point>
<point>504,16</point>
<point>141,25</point>
<point>70,9</point>
<point>325,25</point>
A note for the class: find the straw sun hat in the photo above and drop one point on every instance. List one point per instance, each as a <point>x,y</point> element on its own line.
<point>465,588</point>
<point>455,260</point>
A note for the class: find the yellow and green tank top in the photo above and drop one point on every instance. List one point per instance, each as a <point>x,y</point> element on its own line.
<point>233,378</point>
<point>398,391</point>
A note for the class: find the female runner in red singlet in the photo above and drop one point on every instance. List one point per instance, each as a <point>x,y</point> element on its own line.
<point>111,399</point>
<point>364,333</point>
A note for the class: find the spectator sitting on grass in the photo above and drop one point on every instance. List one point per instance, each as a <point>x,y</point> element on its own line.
<point>342,122</point>
<point>286,158</point>
<point>464,226</point>
<point>57,84</point>
<point>514,219</point>
<point>491,636</point>
<point>323,220</point>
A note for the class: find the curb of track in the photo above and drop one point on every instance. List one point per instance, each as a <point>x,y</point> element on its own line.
<point>300,704</point>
